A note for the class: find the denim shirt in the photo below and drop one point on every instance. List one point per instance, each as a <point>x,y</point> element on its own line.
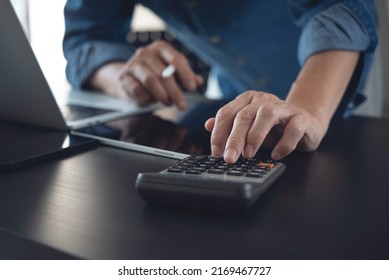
<point>250,44</point>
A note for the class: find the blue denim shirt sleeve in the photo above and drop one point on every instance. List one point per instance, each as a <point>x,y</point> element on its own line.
<point>345,25</point>
<point>335,28</point>
<point>95,34</point>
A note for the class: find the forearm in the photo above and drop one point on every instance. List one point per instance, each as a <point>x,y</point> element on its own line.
<point>95,34</point>
<point>322,83</point>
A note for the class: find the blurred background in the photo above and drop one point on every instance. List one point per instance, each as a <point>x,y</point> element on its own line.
<point>44,25</point>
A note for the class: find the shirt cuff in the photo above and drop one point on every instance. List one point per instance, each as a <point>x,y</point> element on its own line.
<point>86,59</point>
<point>336,28</point>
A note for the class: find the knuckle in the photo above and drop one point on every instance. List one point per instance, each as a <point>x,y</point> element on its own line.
<point>235,142</point>
<point>256,136</point>
<point>267,111</point>
<point>225,113</point>
<point>269,97</point>
<point>140,52</point>
<point>308,145</point>
<point>313,147</point>
<point>296,130</point>
<point>245,116</point>
<point>286,148</point>
<point>149,80</point>
<point>303,115</point>
<point>217,140</point>
<point>179,59</point>
<point>253,93</point>
<point>245,95</point>
<point>137,90</point>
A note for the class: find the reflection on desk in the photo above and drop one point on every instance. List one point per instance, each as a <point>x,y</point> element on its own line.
<point>329,204</point>
<point>21,145</point>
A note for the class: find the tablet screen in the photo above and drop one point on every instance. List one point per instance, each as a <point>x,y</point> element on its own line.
<point>166,129</point>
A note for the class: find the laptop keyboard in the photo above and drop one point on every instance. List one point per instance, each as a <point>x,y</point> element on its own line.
<point>77,112</point>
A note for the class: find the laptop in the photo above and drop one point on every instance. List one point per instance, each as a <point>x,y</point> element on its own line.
<point>32,125</point>
<point>25,95</point>
<point>26,98</point>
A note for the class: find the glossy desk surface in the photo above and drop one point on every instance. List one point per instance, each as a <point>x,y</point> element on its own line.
<point>329,204</point>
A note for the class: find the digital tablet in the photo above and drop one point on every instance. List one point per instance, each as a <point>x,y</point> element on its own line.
<point>165,132</point>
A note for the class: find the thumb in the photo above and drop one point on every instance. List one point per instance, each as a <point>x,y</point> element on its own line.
<point>209,124</point>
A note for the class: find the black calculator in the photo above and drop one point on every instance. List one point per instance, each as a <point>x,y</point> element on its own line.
<point>208,182</point>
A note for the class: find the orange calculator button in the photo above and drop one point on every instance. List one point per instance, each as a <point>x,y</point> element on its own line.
<point>268,165</point>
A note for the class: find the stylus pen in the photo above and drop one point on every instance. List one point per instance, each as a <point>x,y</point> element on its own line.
<point>168,71</point>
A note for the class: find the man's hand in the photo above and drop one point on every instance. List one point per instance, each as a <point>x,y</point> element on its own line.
<point>257,119</point>
<point>140,77</point>
<point>300,122</point>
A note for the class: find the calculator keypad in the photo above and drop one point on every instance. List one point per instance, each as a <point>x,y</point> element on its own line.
<point>202,164</point>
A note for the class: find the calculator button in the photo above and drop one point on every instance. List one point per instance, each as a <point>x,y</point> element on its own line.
<point>175,170</point>
<point>193,172</point>
<point>269,164</point>
<point>179,167</point>
<point>203,165</point>
<point>201,169</point>
<point>239,169</point>
<point>184,164</point>
<point>224,167</point>
<point>216,171</point>
<point>254,174</point>
<point>235,173</point>
<point>260,169</point>
<point>214,159</point>
<point>195,158</point>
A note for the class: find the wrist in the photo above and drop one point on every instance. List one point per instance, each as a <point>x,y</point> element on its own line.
<point>322,82</point>
<point>300,96</point>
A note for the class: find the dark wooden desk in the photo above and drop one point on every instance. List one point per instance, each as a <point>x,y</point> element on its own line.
<point>330,204</point>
